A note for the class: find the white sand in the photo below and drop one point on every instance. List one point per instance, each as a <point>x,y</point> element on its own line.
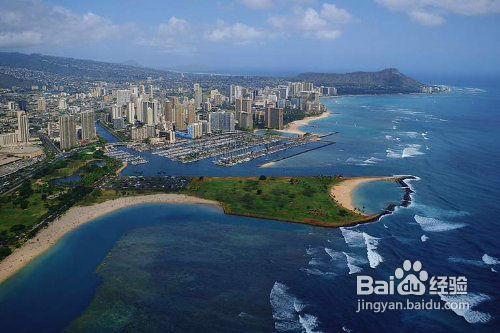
<point>294,126</point>
<point>77,216</point>
<point>343,192</point>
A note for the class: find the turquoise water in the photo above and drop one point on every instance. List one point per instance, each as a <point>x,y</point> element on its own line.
<point>181,268</point>
<point>375,197</point>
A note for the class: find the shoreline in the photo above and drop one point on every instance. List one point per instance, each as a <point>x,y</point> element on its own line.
<point>77,216</point>
<point>294,126</point>
<point>74,218</point>
<point>343,193</point>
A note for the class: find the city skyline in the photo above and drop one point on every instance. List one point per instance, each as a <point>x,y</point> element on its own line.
<point>262,36</point>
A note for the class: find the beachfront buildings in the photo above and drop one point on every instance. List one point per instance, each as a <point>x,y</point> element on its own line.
<point>274,118</point>
<point>221,121</point>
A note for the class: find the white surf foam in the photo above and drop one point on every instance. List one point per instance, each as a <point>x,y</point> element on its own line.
<point>309,323</point>
<point>392,153</point>
<point>424,238</point>
<point>438,212</point>
<point>374,258</point>
<point>489,260</point>
<point>411,134</point>
<point>411,151</point>
<point>352,264</point>
<point>472,299</point>
<point>459,260</point>
<point>372,160</point>
<point>352,238</point>
<point>430,224</point>
<point>288,311</point>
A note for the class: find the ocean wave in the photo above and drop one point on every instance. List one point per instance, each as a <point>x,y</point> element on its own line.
<point>489,260</point>
<point>392,153</point>
<point>411,150</point>
<point>317,272</point>
<point>352,263</point>
<point>439,212</point>
<point>458,260</point>
<point>309,323</point>
<point>372,160</point>
<point>430,224</point>
<point>334,254</point>
<point>411,134</point>
<point>472,299</point>
<point>353,238</point>
<point>358,239</point>
<point>288,310</point>
<point>374,258</point>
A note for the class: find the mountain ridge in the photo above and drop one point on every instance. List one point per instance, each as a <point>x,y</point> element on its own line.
<point>389,80</point>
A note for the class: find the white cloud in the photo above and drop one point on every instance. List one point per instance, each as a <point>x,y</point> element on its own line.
<point>27,23</point>
<point>174,36</point>
<point>324,24</point>
<point>237,33</point>
<point>426,18</point>
<point>433,12</point>
<point>333,13</point>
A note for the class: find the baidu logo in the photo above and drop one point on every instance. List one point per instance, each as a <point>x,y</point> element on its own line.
<point>411,279</point>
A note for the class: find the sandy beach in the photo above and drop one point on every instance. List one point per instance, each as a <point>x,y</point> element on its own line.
<point>343,193</point>
<point>77,216</point>
<point>294,126</point>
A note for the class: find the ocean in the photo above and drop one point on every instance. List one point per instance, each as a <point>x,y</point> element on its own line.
<point>192,268</point>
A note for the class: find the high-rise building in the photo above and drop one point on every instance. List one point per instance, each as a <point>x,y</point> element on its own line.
<point>195,130</point>
<point>116,112</point>
<point>62,105</point>
<point>11,105</point>
<point>8,139</point>
<point>180,117</point>
<point>150,120</point>
<point>274,118</point>
<point>198,95</point>
<point>122,97</point>
<point>221,121</point>
<point>191,113</point>
<point>67,132</point>
<point>131,113</point>
<point>88,126</point>
<point>41,104</point>
<point>168,110</point>
<point>23,133</point>
<point>235,92</point>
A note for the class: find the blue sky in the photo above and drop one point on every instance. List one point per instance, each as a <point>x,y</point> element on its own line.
<point>264,36</point>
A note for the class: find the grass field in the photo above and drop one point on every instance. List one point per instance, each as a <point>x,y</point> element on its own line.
<point>304,200</point>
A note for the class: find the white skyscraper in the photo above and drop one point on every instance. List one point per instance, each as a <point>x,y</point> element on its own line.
<point>130,113</point>
<point>116,111</point>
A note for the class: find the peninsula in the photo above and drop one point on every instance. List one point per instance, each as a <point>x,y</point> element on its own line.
<point>318,201</point>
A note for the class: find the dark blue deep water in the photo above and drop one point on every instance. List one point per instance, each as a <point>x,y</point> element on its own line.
<point>190,268</point>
